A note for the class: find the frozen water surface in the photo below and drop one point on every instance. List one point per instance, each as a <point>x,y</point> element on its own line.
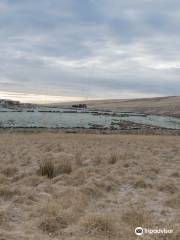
<point>70,118</point>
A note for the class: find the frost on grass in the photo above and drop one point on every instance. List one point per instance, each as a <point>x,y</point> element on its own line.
<point>87,187</point>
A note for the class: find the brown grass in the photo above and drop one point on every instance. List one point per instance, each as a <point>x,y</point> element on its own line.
<point>168,186</point>
<point>113,158</point>
<point>98,224</point>
<point>141,183</point>
<point>87,187</point>
<point>174,201</point>
<point>137,217</point>
<point>50,169</point>
<point>160,105</point>
<point>9,171</point>
<point>6,193</point>
<point>64,167</point>
<point>47,168</point>
<point>53,220</point>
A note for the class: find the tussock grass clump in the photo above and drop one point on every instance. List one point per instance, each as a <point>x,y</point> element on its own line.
<point>113,158</point>
<point>99,224</point>
<point>51,169</point>
<point>47,168</point>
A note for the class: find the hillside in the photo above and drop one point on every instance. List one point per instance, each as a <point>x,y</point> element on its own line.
<point>159,106</point>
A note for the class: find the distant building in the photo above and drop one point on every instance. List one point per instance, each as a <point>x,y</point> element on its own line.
<point>8,103</point>
<point>79,106</point>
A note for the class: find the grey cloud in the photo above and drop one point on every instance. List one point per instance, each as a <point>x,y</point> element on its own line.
<point>95,47</point>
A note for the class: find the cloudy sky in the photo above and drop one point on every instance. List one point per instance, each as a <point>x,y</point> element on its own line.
<point>53,50</point>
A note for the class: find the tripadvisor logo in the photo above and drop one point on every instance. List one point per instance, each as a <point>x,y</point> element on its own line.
<point>139,231</point>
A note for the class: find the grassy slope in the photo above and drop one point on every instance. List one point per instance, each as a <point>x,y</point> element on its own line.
<point>163,105</point>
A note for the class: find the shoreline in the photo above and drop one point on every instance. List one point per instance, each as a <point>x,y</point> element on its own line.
<point>170,132</point>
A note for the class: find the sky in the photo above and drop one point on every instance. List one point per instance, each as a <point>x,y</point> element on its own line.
<point>61,50</point>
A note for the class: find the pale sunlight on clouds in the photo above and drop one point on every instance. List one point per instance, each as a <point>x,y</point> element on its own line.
<point>37,98</point>
<point>43,99</point>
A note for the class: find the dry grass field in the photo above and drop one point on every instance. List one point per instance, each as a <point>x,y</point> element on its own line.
<point>88,186</point>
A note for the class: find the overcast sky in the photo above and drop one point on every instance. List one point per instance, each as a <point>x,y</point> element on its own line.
<point>78,49</point>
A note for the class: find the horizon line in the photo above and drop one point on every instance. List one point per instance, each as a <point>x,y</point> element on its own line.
<point>34,98</point>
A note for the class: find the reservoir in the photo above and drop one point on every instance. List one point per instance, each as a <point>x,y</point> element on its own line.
<point>69,118</point>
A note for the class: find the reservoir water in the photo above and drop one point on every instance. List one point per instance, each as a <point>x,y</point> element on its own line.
<point>60,118</point>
